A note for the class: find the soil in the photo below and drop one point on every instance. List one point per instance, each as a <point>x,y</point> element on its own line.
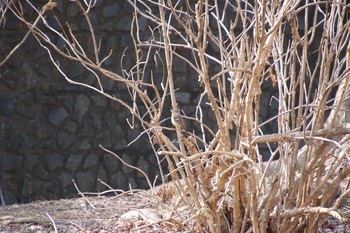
<point>104,214</point>
<point>88,214</point>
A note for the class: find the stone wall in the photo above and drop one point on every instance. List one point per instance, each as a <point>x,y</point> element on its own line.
<point>51,130</point>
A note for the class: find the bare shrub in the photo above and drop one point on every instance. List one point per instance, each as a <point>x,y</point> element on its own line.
<point>223,182</point>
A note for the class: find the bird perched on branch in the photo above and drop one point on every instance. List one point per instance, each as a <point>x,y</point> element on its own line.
<point>177,120</point>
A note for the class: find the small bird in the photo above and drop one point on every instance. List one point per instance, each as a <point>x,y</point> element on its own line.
<point>177,120</point>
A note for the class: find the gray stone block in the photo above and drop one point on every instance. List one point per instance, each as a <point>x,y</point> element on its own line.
<point>124,24</point>
<point>73,10</point>
<point>28,139</point>
<point>90,161</point>
<point>7,105</point>
<point>96,120</point>
<point>67,102</point>
<point>111,163</point>
<point>44,99</point>
<point>57,116</point>
<point>30,161</point>
<point>64,140</point>
<point>30,76</point>
<point>54,187</point>
<point>86,130</point>
<point>183,97</point>
<point>74,162</point>
<point>27,98</point>
<point>85,145</point>
<point>86,181</point>
<point>54,161</point>
<point>71,126</point>
<point>66,179</point>
<point>103,177</point>
<point>40,172</point>
<point>12,142</point>
<point>25,111</point>
<point>144,166</point>
<point>30,187</point>
<point>118,181</point>
<point>103,139</point>
<point>76,71</point>
<point>81,106</point>
<point>99,101</point>
<point>93,19</point>
<point>12,163</point>
<point>12,123</point>
<point>44,128</point>
<point>110,10</point>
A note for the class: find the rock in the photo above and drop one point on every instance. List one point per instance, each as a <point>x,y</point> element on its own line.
<point>11,163</point>
<point>110,10</point>
<point>264,104</point>
<point>40,172</point>
<point>128,159</point>
<point>93,19</point>
<point>99,101</point>
<point>75,71</point>
<point>118,181</point>
<point>128,7</point>
<point>28,139</point>
<point>111,163</point>
<point>25,111</point>
<point>81,106</point>
<point>54,161</point>
<point>120,143</point>
<point>57,116</point>
<point>102,139</point>
<point>124,24</point>
<point>30,161</point>
<point>71,126</point>
<point>64,140</point>
<point>180,65</point>
<point>30,187</point>
<point>73,10</point>
<point>54,187</point>
<point>143,23</point>
<point>85,181</point>
<point>28,99</point>
<point>74,162</point>
<point>96,120</point>
<point>132,183</point>
<point>107,83</point>
<point>7,105</point>
<point>66,179</point>
<point>85,145</point>
<point>12,142</point>
<point>90,161</point>
<point>44,128</point>
<point>143,165</point>
<point>183,97</point>
<point>67,102</point>
<point>44,99</point>
<point>148,215</point>
<point>49,143</point>
<point>31,77</point>
<point>101,175</point>
<point>10,79</point>
<point>87,130</point>
<point>112,122</point>
<point>11,123</point>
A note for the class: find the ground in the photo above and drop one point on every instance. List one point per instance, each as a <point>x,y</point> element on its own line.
<point>103,214</point>
<point>88,214</point>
